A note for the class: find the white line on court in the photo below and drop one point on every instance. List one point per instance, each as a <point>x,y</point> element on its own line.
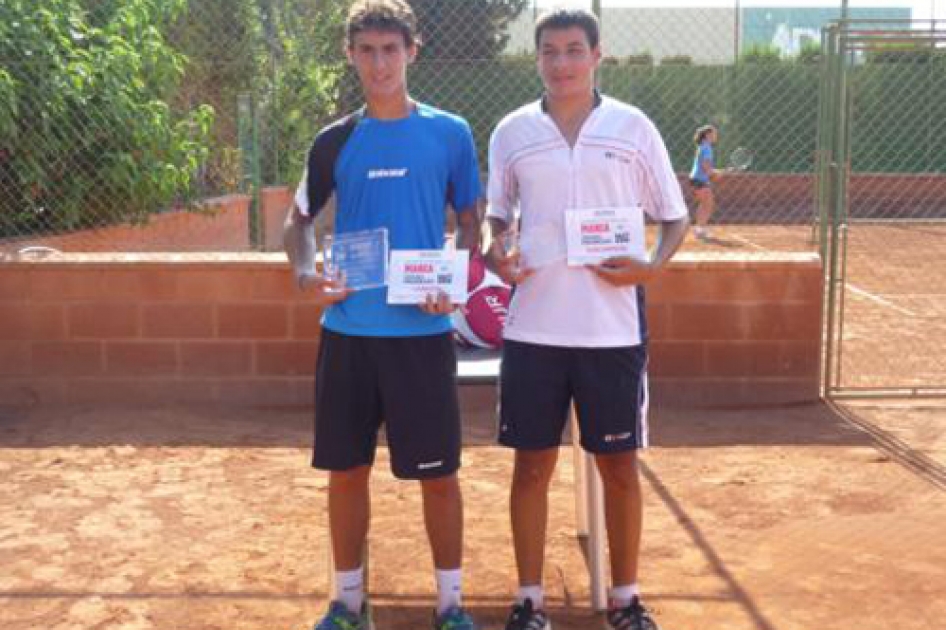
<point>876,298</point>
<point>746,241</point>
<point>857,291</point>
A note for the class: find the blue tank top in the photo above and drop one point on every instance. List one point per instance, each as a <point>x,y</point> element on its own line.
<point>703,153</point>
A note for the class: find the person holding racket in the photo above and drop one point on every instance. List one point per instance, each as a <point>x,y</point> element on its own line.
<point>702,176</point>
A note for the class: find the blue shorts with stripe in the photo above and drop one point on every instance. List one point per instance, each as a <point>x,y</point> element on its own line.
<point>538,384</point>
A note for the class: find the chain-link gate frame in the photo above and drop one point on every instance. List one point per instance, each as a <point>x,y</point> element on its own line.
<point>844,44</point>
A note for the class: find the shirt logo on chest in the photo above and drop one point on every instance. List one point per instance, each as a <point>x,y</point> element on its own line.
<point>613,155</point>
<point>386,173</point>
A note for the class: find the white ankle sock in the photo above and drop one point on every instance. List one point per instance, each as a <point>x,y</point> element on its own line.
<point>533,592</point>
<point>449,589</point>
<point>350,588</point>
<point>621,596</point>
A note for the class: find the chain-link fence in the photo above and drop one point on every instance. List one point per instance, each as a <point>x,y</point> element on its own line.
<point>883,194</point>
<point>118,113</point>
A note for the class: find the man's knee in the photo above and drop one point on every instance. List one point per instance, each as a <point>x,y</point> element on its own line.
<point>351,479</point>
<point>440,487</point>
<point>619,470</point>
<point>535,468</point>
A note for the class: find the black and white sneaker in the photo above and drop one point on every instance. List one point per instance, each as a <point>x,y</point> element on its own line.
<point>525,617</point>
<point>632,617</point>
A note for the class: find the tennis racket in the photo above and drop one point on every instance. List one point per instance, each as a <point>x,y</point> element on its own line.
<point>740,159</point>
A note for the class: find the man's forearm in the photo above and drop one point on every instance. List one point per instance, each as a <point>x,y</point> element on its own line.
<point>299,242</point>
<point>468,229</point>
<point>669,239</point>
<point>496,227</point>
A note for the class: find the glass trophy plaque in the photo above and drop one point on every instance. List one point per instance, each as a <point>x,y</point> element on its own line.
<point>359,260</point>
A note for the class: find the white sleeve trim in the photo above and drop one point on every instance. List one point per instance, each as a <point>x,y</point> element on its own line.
<point>302,195</point>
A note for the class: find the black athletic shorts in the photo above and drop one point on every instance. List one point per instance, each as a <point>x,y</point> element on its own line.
<point>538,384</point>
<point>697,184</point>
<point>409,383</point>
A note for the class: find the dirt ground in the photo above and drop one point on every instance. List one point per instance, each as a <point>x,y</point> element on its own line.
<point>775,519</point>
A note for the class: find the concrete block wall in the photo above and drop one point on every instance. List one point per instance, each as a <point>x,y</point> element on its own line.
<point>230,329</point>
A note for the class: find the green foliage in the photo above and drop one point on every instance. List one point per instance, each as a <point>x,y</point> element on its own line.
<point>459,87</point>
<point>903,53</point>
<point>677,60</point>
<point>767,54</point>
<point>90,138</point>
<point>8,105</point>
<point>640,59</point>
<point>905,137</point>
<point>465,29</point>
<point>810,53</point>
<point>223,47</point>
<point>302,91</point>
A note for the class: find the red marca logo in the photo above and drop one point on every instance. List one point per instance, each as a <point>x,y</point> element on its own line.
<point>594,228</point>
<point>419,268</point>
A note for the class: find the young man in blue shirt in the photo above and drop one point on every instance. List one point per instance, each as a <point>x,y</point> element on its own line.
<point>395,164</point>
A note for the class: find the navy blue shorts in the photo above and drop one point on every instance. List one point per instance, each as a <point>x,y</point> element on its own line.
<point>608,386</point>
<point>697,184</point>
<point>409,383</point>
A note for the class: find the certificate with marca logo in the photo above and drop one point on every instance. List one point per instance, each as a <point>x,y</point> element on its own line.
<point>595,234</point>
<point>416,273</point>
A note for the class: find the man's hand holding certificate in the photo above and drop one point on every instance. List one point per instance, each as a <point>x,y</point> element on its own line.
<point>596,234</point>
<point>602,240</point>
<point>433,278</point>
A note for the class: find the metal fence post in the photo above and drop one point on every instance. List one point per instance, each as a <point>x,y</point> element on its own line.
<point>251,176</point>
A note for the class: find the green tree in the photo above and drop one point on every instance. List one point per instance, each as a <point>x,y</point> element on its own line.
<point>761,54</point>
<point>91,139</point>
<point>302,79</point>
<point>223,44</point>
<point>470,30</point>
<point>810,53</point>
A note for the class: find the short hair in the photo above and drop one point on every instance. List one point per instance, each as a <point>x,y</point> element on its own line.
<point>701,133</point>
<point>391,16</point>
<point>559,19</point>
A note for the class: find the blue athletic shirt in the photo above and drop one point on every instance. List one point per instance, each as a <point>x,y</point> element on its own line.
<point>704,152</point>
<point>398,174</point>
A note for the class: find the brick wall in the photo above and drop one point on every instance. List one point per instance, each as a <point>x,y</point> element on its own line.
<point>274,203</point>
<point>230,329</point>
<point>779,198</point>
<point>222,225</point>
<point>787,198</point>
<point>738,329</point>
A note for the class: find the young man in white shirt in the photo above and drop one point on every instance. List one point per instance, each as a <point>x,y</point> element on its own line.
<point>577,333</point>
